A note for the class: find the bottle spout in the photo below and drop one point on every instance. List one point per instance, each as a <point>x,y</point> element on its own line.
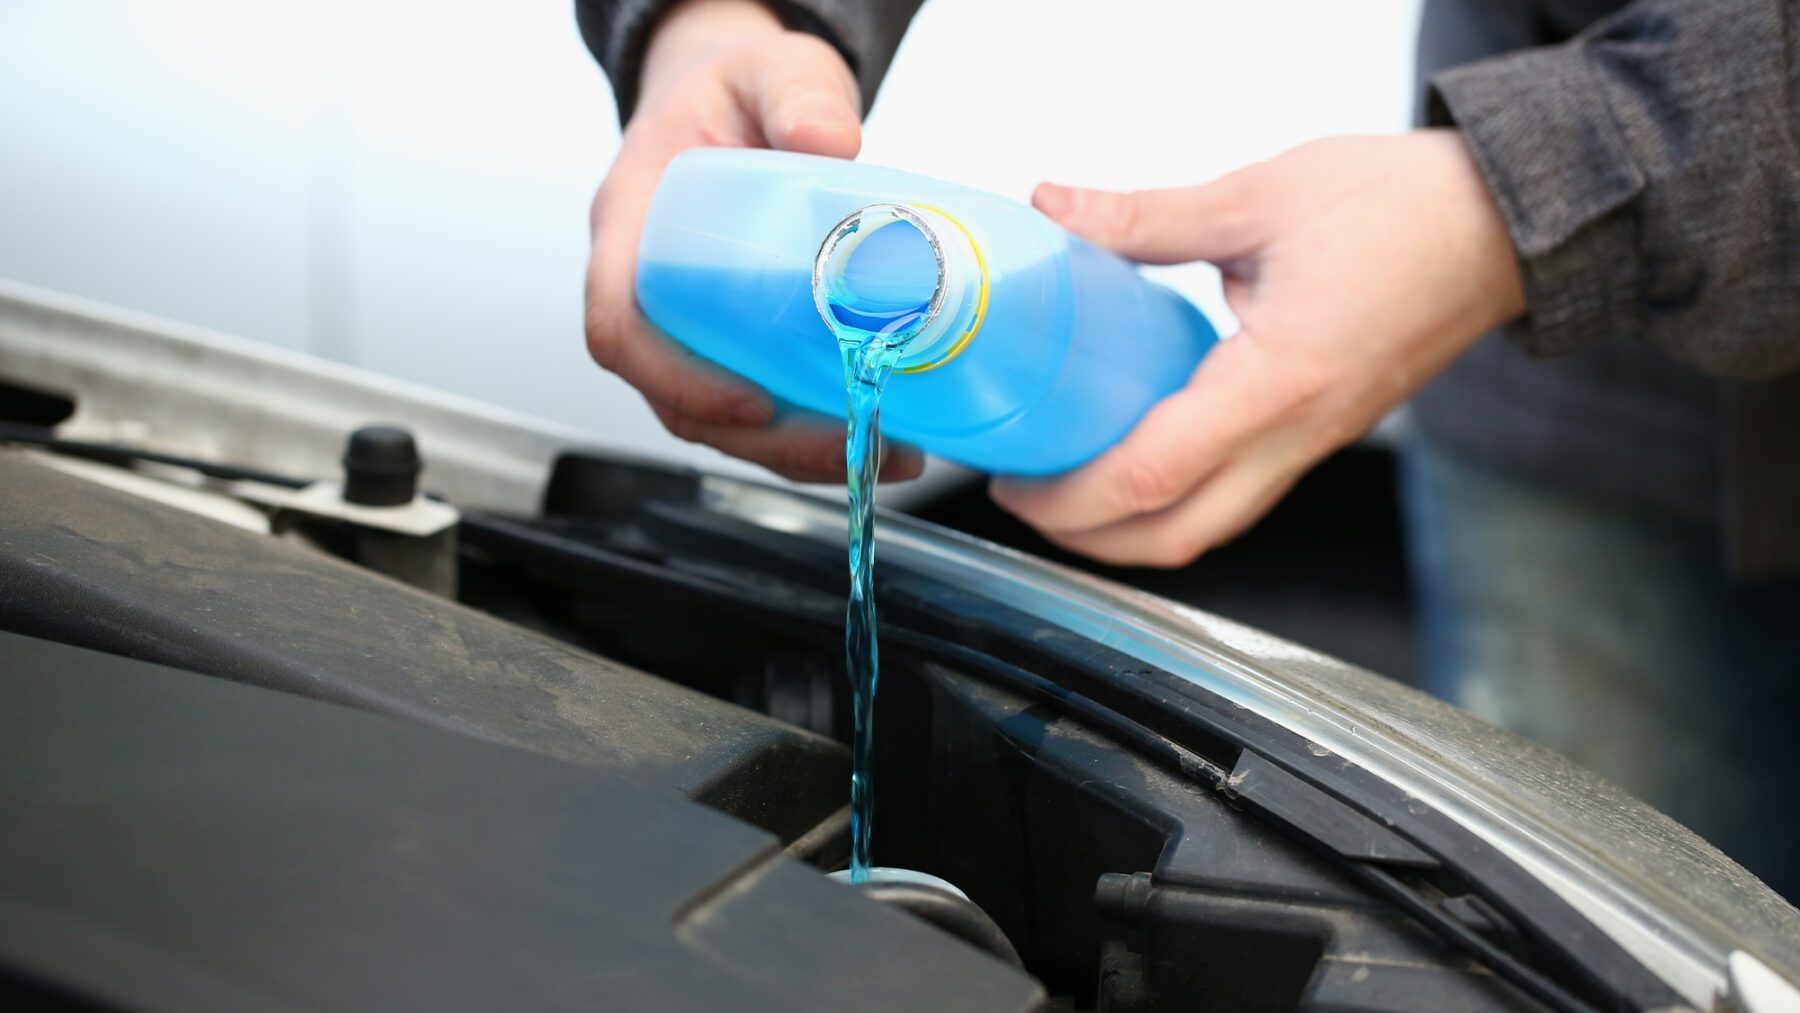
<point>904,275</point>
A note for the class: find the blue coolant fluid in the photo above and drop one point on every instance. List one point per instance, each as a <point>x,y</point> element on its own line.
<point>1018,348</point>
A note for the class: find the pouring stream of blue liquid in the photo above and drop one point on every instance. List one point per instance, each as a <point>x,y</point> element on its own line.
<point>877,305</point>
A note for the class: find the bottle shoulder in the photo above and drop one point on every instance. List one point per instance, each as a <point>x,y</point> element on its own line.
<point>784,198</point>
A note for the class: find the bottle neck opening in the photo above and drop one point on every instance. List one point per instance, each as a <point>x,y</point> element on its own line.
<point>898,274</point>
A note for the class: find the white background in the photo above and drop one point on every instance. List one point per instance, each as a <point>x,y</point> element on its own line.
<point>403,185</point>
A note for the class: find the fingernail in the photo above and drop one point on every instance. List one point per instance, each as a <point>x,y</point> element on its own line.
<point>902,462</point>
<point>751,413</point>
<point>827,127</point>
<point>1053,200</point>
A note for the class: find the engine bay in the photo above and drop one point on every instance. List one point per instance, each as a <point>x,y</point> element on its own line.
<point>1136,858</point>
<point>569,727</point>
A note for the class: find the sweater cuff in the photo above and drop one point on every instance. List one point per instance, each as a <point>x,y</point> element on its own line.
<point>1538,126</point>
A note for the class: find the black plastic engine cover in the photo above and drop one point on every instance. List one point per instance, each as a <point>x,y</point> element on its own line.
<point>91,566</point>
<point>173,841</point>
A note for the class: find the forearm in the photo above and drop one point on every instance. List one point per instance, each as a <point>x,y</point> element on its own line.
<point>865,32</point>
<point>1649,177</point>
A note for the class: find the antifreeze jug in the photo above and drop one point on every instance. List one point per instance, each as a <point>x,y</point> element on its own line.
<point>1026,351</point>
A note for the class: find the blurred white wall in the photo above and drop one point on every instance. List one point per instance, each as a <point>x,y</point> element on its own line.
<point>403,184</point>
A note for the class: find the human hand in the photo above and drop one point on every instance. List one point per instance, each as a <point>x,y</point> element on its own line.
<point>718,73</point>
<point>1358,267</point>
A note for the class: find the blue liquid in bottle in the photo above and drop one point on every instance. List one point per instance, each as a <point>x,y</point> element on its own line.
<point>1041,352</point>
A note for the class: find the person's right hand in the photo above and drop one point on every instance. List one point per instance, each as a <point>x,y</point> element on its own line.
<point>718,73</point>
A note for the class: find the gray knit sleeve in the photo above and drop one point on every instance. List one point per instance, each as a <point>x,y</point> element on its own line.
<point>1649,175</point>
<point>865,32</point>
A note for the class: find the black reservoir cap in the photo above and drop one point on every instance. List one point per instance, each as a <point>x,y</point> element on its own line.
<point>381,466</point>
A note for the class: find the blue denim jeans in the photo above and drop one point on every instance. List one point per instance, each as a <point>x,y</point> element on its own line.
<point>1618,641</point>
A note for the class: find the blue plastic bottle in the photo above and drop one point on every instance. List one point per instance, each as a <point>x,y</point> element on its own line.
<point>1026,350</point>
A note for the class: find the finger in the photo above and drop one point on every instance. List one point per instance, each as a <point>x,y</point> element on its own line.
<point>804,451</point>
<point>1215,221</point>
<point>1221,509</point>
<point>807,102</point>
<point>1181,441</point>
<point>1239,292</point>
<point>618,337</point>
<point>900,462</point>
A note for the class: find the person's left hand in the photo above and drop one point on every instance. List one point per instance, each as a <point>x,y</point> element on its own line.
<point>1358,268</point>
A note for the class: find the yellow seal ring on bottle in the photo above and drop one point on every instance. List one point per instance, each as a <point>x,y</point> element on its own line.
<point>981,299</point>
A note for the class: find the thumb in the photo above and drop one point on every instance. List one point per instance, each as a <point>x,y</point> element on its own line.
<point>1215,221</point>
<point>806,100</point>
